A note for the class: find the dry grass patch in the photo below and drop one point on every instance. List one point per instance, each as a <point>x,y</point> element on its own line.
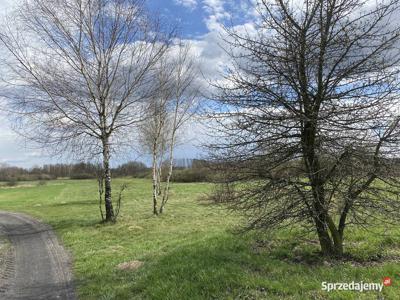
<point>130,265</point>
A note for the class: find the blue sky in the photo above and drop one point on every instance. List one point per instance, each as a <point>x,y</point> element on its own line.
<point>189,19</point>
<point>199,22</point>
<point>199,17</point>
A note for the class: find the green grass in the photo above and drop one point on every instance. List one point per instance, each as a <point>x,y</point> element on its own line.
<point>192,252</point>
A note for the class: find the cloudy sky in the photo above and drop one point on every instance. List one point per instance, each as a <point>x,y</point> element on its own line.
<point>199,22</point>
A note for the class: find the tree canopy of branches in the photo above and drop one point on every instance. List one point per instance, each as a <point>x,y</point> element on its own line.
<point>309,117</point>
<point>81,74</point>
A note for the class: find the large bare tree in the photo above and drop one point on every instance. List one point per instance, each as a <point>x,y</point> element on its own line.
<point>309,117</point>
<point>81,73</point>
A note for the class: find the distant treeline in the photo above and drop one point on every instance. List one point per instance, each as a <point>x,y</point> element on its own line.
<point>187,170</point>
<point>74,171</point>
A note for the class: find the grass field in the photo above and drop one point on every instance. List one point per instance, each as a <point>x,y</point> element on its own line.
<point>192,251</point>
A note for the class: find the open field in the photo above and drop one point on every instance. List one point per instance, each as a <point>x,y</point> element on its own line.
<point>192,251</point>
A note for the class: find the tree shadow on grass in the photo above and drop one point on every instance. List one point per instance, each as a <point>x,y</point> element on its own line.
<point>75,203</point>
<point>222,267</point>
<point>89,216</point>
<point>68,224</point>
<point>229,267</point>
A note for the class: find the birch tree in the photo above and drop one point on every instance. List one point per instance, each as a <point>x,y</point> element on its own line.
<point>155,131</point>
<point>174,105</point>
<point>80,74</point>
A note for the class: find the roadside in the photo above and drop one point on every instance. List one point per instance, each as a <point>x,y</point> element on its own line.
<point>6,262</point>
<point>5,247</point>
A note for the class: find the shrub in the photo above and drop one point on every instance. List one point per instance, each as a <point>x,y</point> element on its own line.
<point>12,182</point>
<point>42,182</point>
<point>83,176</point>
<point>222,193</point>
<point>143,174</point>
<point>191,175</point>
<point>46,177</point>
<point>132,168</point>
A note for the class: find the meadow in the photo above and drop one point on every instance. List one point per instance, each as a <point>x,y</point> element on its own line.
<point>195,249</point>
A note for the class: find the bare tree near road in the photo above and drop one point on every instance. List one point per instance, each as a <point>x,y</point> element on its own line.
<point>80,74</point>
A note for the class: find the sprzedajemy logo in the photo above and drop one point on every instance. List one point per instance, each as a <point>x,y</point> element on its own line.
<point>360,286</point>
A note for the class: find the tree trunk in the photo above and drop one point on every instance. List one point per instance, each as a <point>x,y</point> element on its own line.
<point>160,168</point>
<point>336,237</point>
<point>166,188</point>
<point>325,241</point>
<point>107,181</point>
<point>323,223</point>
<point>155,180</point>
<point>331,245</point>
<point>170,169</point>
<point>159,175</point>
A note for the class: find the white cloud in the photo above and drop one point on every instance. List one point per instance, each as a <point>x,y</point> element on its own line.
<point>14,150</point>
<point>191,4</point>
<point>7,5</point>
<point>216,13</point>
<point>214,5</point>
<point>212,51</point>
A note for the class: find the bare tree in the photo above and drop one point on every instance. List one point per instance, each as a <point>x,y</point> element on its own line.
<point>81,73</point>
<point>175,103</point>
<point>184,105</point>
<point>309,117</point>
<point>154,132</point>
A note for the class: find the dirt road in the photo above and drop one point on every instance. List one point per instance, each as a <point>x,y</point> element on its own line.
<point>37,267</point>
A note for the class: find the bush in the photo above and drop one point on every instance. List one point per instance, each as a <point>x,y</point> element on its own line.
<point>83,176</point>
<point>46,177</point>
<point>143,175</point>
<point>42,182</point>
<point>12,182</point>
<point>222,193</point>
<point>132,168</point>
<point>191,175</point>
